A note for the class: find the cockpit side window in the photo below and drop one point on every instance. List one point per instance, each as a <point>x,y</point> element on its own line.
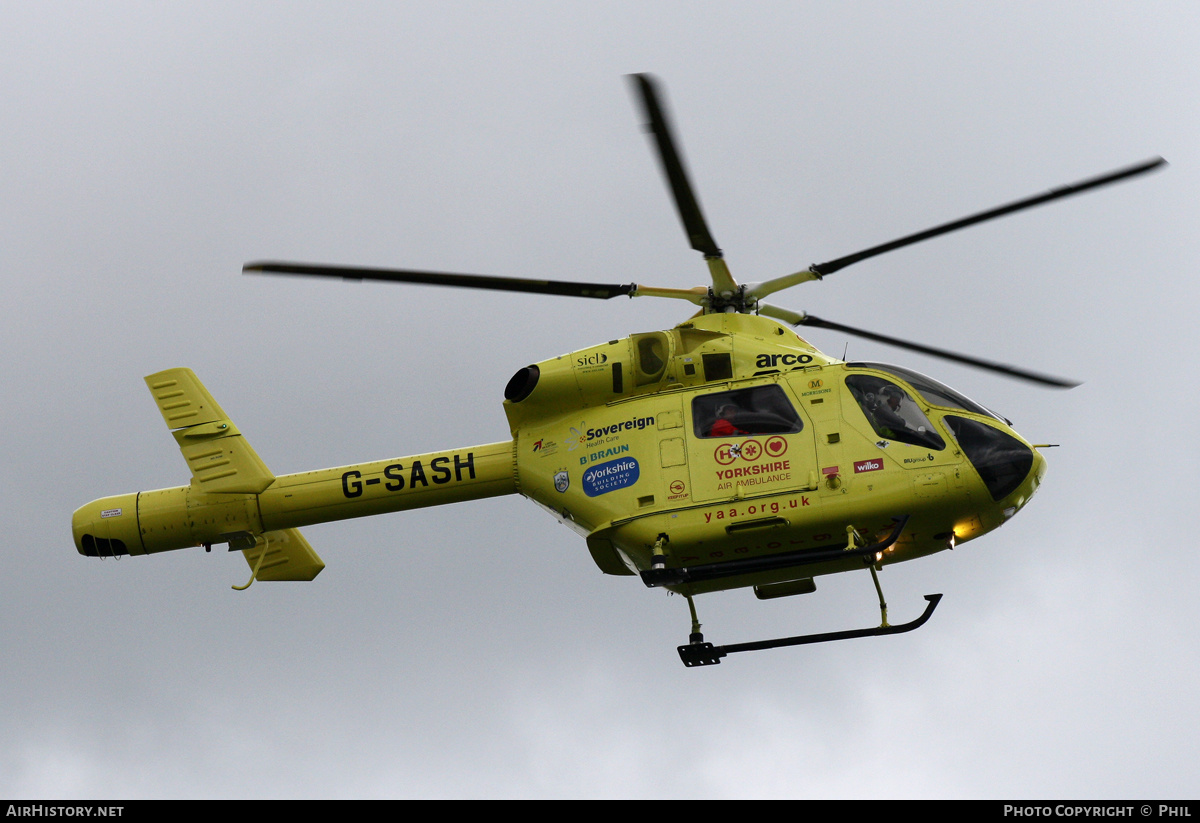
<point>760,410</point>
<point>935,393</point>
<point>892,412</point>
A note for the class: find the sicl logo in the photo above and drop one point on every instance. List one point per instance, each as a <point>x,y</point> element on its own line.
<point>868,466</point>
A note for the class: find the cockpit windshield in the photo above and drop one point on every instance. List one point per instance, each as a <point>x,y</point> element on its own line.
<point>934,393</point>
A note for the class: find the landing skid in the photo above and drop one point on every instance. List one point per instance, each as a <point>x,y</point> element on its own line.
<point>699,653</point>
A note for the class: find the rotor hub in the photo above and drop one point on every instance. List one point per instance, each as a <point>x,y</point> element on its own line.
<point>737,300</point>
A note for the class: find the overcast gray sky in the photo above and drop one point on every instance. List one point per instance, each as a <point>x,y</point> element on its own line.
<point>150,149</point>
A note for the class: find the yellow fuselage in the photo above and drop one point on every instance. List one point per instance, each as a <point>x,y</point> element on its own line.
<point>622,442</point>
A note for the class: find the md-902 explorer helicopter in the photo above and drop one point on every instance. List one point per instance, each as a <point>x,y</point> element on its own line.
<point>726,452</point>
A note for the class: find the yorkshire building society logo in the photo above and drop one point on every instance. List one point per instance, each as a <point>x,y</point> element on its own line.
<point>561,481</point>
<point>610,476</point>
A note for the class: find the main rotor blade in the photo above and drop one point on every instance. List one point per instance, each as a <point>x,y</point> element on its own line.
<point>822,269</point>
<point>685,199</point>
<point>801,319</point>
<point>431,278</point>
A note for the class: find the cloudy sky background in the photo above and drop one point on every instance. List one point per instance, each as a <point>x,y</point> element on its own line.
<point>151,149</point>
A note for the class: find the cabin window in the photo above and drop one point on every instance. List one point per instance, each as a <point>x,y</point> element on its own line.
<point>892,412</point>
<point>760,410</point>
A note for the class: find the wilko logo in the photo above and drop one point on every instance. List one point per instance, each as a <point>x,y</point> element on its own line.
<point>868,466</point>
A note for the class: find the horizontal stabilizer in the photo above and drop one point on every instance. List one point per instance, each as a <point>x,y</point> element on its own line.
<point>219,457</point>
<point>289,557</point>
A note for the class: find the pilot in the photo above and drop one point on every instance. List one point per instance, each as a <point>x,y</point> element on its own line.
<point>724,426</point>
<point>887,410</point>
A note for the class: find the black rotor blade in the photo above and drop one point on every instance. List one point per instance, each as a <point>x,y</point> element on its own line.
<point>1011,371</point>
<point>600,291</point>
<point>685,199</point>
<point>823,269</point>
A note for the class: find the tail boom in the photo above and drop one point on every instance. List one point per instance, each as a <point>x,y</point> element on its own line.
<point>185,516</point>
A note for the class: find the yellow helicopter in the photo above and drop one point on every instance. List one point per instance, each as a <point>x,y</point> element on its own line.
<point>724,453</point>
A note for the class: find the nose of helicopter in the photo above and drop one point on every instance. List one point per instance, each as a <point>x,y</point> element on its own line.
<point>1030,485</point>
<point>1029,464</point>
<point>1008,466</point>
